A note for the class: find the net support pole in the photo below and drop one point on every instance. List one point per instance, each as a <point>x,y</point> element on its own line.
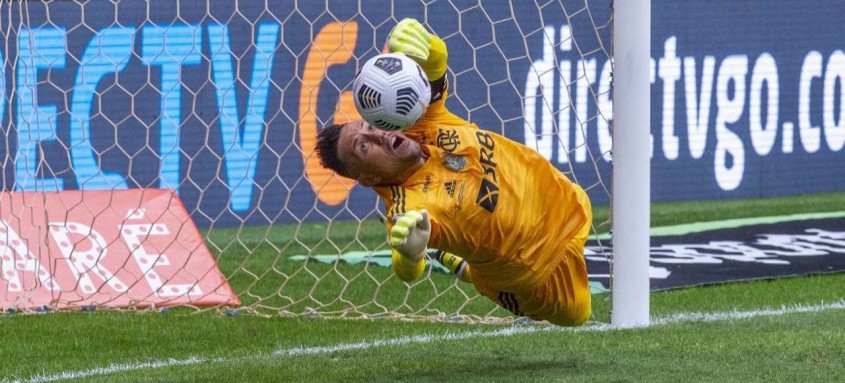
<point>631,175</point>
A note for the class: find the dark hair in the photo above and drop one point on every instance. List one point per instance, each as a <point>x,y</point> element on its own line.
<point>326,148</point>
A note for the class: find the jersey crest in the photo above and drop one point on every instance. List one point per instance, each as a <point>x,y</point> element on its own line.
<point>448,139</point>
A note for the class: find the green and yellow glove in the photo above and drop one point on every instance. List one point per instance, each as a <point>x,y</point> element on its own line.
<point>411,38</point>
<point>410,234</point>
<point>409,239</point>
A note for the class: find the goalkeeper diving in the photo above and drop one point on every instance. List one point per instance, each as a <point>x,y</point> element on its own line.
<point>501,216</point>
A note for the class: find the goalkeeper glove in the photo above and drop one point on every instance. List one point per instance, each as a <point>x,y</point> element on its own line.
<point>410,233</point>
<point>411,38</point>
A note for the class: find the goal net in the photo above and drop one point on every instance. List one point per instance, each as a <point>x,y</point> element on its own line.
<point>221,102</point>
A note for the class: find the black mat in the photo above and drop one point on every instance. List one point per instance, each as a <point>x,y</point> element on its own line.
<point>737,254</point>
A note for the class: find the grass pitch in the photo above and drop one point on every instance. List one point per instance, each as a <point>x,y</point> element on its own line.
<point>779,330</point>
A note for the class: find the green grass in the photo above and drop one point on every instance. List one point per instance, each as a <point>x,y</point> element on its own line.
<point>792,347</point>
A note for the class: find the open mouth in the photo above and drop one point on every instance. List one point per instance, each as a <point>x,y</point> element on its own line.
<point>397,142</point>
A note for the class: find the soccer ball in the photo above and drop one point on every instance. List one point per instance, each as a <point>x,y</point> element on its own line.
<point>391,92</point>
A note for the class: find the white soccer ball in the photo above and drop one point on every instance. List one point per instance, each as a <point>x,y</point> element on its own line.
<point>391,92</point>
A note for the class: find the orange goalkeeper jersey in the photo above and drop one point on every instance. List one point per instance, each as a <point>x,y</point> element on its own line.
<point>495,202</point>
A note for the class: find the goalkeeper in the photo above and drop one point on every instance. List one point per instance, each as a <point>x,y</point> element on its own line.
<point>518,224</point>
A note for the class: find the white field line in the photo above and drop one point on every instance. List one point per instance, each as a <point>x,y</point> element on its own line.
<point>418,339</point>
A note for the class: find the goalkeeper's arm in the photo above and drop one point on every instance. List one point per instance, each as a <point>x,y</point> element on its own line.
<point>411,38</point>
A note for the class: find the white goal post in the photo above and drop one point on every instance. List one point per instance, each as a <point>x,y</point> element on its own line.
<point>630,203</point>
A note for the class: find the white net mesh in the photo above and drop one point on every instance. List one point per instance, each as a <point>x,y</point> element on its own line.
<point>221,102</point>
